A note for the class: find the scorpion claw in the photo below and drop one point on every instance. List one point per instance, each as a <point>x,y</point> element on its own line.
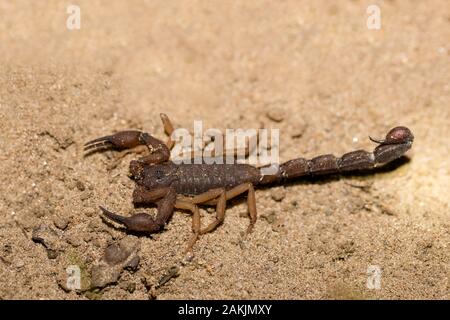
<point>112,216</point>
<point>140,222</point>
<point>120,140</point>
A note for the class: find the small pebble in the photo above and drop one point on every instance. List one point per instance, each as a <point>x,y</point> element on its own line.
<point>133,264</point>
<point>80,186</point>
<point>173,272</point>
<point>74,240</point>
<point>61,222</point>
<point>52,254</point>
<point>85,195</point>
<point>102,275</point>
<point>117,253</point>
<point>276,114</point>
<point>128,286</point>
<point>270,217</point>
<point>114,254</point>
<point>49,238</point>
<point>298,130</point>
<point>278,193</point>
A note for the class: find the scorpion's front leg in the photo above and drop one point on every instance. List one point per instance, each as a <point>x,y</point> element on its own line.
<point>165,199</point>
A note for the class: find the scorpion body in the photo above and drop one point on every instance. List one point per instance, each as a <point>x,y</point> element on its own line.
<point>185,186</point>
<point>194,179</point>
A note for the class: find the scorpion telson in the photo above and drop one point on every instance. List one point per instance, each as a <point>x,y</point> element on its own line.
<point>185,186</point>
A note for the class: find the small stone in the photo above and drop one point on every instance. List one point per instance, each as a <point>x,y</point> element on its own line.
<point>173,272</point>
<point>118,253</point>
<point>7,249</point>
<point>85,195</point>
<point>298,131</point>
<point>114,254</point>
<point>102,275</point>
<point>133,264</point>
<point>131,287</point>
<point>271,217</point>
<point>20,264</point>
<point>74,240</point>
<point>128,286</point>
<point>278,193</point>
<point>52,254</point>
<point>276,114</point>
<point>243,214</point>
<point>49,238</point>
<point>80,186</point>
<point>61,222</point>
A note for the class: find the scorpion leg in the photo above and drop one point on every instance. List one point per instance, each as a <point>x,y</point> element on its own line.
<point>218,194</point>
<point>251,203</point>
<point>186,205</point>
<point>142,222</point>
<point>220,214</point>
<point>168,129</point>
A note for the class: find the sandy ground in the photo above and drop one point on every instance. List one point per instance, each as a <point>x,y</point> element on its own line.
<point>228,63</point>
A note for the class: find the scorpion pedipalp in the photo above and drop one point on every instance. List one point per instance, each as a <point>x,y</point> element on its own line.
<point>120,140</point>
<point>140,222</point>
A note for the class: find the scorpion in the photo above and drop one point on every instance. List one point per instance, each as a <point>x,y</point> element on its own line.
<point>169,185</point>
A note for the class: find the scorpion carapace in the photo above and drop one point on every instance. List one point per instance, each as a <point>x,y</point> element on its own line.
<point>184,186</point>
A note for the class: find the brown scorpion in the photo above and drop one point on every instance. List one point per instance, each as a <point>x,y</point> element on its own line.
<point>184,186</point>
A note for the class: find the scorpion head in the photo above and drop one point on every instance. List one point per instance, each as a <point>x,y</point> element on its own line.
<point>156,176</point>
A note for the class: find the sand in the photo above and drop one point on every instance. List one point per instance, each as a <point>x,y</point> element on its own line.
<point>332,81</point>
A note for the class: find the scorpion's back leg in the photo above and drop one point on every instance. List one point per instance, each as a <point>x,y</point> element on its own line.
<point>230,194</point>
<point>220,195</point>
